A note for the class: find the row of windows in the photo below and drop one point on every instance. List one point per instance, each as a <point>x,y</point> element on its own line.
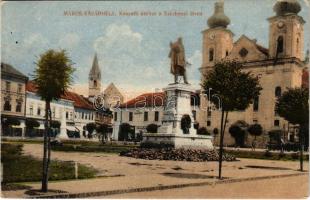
<point>8,107</point>
<point>82,115</point>
<point>243,52</point>
<point>69,115</point>
<point>145,116</point>
<point>8,87</point>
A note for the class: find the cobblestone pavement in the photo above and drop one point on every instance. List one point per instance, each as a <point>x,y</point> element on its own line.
<point>127,173</point>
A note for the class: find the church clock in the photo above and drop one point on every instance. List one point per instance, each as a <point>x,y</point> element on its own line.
<point>280,24</point>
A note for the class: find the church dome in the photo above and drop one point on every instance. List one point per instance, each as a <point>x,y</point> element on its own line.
<point>287,7</point>
<point>218,19</point>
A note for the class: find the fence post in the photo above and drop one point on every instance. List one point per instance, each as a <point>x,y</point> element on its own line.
<point>76,169</point>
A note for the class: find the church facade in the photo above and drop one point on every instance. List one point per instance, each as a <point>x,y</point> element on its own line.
<point>280,66</point>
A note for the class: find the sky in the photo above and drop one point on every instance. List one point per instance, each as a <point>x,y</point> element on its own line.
<point>132,50</point>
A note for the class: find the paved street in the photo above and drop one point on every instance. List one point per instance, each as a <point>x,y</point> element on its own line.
<point>292,187</point>
<point>123,173</point>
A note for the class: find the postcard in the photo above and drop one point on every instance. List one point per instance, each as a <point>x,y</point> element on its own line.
<point>155,99</point>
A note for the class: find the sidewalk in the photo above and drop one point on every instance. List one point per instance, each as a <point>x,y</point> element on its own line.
<point>121,185</point>
<point>260,150</point>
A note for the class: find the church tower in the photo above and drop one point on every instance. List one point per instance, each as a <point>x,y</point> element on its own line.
<point>286,31</point>
<point>94,79</point>
<point>217,44</point>
<point>217,39</point>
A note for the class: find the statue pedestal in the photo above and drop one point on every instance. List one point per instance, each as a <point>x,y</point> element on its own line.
<point>178,105</point>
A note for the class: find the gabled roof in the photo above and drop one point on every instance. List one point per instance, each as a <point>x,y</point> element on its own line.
<point>9,69</point>
<point>156,99</point>
<point>258,46</point>
<point>78,100</point>
<point>111,86</point>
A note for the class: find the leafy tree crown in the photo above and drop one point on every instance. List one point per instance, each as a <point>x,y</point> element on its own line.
<point>255,129</point>
<point>235,88</point>
<point>53,74</point>
<point>293,105</point>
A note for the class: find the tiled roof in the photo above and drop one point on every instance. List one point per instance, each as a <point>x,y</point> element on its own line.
<point>79,101</point>
<point>154,99</point>
<point>145,100</point>
<point>9,69</point>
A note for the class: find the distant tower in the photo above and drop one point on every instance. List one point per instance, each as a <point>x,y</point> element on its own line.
<point>217,39</point>
<point>94,79</point>
<point>286,31</point>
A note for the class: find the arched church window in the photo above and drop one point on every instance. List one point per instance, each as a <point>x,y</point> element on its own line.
<point>211,54</point>
<point>280,44</point>
<point>243,52</point>
<point>277,91</point>
<point>297,45</point>
<point>95,83</point>
<point>256,103</point>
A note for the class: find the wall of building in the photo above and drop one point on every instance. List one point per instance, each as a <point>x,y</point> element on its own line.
<point>15,93</point>
<point>62,111</point>
<point>283,76</point>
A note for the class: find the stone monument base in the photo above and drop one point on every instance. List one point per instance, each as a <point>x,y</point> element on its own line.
<point>179,141</point>
<point>178,107</point>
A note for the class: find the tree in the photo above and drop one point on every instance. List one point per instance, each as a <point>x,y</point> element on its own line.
<point>52,77</point>
<point>196,125</point>
<point>293,106</point>
<point>102,130</point>
<point>215,131</point>
<point>9,122</point>
<point>125,130</point>
<point>186,123</point>
<point>55,124</point>
<point>32,123</point>
<point>238,134</point>
<point>255,130</point>
<point>152,128</point>
<point>234,89</point>
<point>90,127</point>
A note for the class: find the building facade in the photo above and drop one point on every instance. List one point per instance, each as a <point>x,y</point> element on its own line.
<point>278,67</point>
<point>72,111</point>
<point>62,112</point>
<point>13,101</point>
<point>143,110</point>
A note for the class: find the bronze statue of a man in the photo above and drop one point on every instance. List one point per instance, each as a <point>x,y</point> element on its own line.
<point>178,62</point>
